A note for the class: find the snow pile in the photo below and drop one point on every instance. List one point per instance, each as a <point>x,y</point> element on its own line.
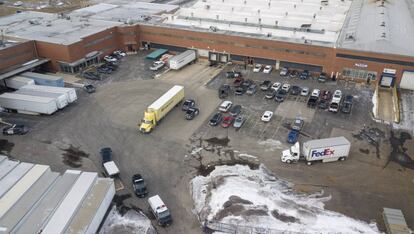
<point>131,222</point>
<point>375,104</point>
<point>249,199</point>
<point>271,145</point>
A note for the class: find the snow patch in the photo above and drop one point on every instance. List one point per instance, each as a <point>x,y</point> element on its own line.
<point>271,144</point>
<point>247,156</point>
<point>248,199</point>
<point>375,104</point>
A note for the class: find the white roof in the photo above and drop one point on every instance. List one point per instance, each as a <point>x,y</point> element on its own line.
<point>48,88</point>
<point>25,97</point>
<point>111,168</point>
<point>166,97</point>
<point>6,166</point>
<point>157,204</point>
<point>38,75</point>
<point>13,176</point>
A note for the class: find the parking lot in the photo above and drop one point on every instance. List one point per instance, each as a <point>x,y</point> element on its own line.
<point>171,155</point>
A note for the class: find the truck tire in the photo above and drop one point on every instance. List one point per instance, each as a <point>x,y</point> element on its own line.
<point>288,161</point>
<point>309,163</point>
<point>342,158</point>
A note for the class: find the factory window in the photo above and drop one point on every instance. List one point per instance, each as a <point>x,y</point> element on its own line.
<point>380,60</point>
<point>358,74</point>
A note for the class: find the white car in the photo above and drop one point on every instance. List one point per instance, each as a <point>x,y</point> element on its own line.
<point>257,67</point>
<point>267,116</point>
<point>118,52</point>
<point>157,65</point>
<point>267,69</point>
<point>283,71</point>
<point>225,106</point>
<point>276,86</point>
<point>286,87</point>
<point>337,96</point>
<point>304,92</point>
<point>110,59</point>
<point>316,93</point>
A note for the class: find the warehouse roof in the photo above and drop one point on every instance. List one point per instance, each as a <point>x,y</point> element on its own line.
<point>315,21</point>
<point>379,26</point>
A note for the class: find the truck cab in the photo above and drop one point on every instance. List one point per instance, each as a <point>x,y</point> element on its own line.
<point>148,122</point>
<point>291,155</point>
<point>160,210</point>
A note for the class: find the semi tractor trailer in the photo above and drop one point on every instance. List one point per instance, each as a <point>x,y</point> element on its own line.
<point>182,59</point>
<point>325,150</point>
<point>160,108</point>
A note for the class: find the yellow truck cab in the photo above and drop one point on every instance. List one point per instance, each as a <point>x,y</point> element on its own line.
<point>161,107</point>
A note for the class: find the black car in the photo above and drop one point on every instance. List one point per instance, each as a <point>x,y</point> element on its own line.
<point>295,90</point>
<point>347,104</point>
<point>216,119</point>
<point>233,74</point>
<point>235,110</point>
<point>323,104</point>
<point>246,83</point>
<point>91,76</point>
<point>106,154</point>
<point>188,104</point>
<point>89,88</point>
<point>16,129</point>
<point>140,187</point>
<point>280,95</point>
<point>312,101</point>
<point>104,69</point>
<point>304,75</point>
<point>270,94</point>
<point>265,85</point>
<point>293,73</point>
<point>223,91</point>
<point>239,90</point>
<point>191,113</point>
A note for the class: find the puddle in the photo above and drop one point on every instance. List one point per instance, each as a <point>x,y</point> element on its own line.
<point>73,156</point>
<point>373,136</point>
<point>6,146</point>
<point>218,141</point>
<point>206,170</point>
<point>399,152</point>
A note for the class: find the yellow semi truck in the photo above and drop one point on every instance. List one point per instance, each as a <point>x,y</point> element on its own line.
<point>160,108</point>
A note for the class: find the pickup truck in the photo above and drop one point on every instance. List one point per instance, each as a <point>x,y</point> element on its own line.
<point>108,164</point>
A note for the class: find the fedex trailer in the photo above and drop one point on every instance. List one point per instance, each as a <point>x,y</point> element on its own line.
<point>325,150</point>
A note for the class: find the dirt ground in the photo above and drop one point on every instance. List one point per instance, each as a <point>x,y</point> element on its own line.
<point>378,174</point>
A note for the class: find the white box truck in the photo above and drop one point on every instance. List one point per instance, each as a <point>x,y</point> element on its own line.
<point>160,210</point>
<point>182,59</point>
<point>28,104</point>
<point>69,92</point>
<point>16,82</point>
<point>325,150</point>
<point>61,100</point>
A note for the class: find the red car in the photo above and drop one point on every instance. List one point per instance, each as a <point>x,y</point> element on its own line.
<point>326,95</point>
<point>238,81</point>
<point>227,121</point>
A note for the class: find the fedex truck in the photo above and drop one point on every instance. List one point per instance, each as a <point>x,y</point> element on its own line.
<point>325,150</point>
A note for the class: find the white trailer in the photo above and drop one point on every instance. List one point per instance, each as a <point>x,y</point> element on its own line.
<point>182,59</point>
<point>325,150</point>
<point>16,82</point>
<point>61,99</point>
<point>69,92</point>
<point>44,79</point>
<point>28,104</point>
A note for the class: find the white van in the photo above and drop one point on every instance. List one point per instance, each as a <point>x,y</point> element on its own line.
<point>160,210</point>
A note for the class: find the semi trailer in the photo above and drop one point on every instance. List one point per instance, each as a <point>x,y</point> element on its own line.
<point>28,104</point>
<point>182,59</point>
<point>160,108</point>
<point>61,100</point>
<point>69,92</point>
<point>16,82</point>
<point>325,150</point>
<point>43,79</point>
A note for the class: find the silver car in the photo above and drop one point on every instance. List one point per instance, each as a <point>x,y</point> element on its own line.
<point>304,92</point>
<point>238,122</point>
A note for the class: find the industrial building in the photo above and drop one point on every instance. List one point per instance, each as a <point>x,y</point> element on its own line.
<point>360,40</point>
<point>34,199</point>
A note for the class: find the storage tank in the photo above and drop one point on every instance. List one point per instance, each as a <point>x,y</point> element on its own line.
<point>43,79</point>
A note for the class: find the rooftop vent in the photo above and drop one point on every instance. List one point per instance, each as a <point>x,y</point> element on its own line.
<point>324,2</point>
<point>207,7</point>
<point>383,35</point>
<point>213,28</point>
<point>269,34</point>
<point>350,36</point>
<point>34,22</point>
<point>382,24</point>
<point>305,26</point>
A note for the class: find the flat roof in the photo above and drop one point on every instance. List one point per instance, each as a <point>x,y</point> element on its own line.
<point>6,166</point>
<point>13,176</point>
<point>315,21</point>
<point>52,28</point>
<point>382,28</point>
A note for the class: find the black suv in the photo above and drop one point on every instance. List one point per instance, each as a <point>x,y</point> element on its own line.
<point>188,104</point>
<point>347,105</point>
<point>140,187</point>
<point>224,91</point>
<point>191,113</point>
<point>265,85</point>
<point>216,119</point>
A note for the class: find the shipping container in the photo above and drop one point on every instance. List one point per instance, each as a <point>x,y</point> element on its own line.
<point>69,92</point>
<point>13,176</point>
<point>17,82</point>
<point>61,99</point>
<point>28,104</point>
<point>43,79</point>
<point>182,59</point>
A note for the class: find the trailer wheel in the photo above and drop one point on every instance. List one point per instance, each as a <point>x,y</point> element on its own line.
<point>342,158</point>
<point>288,161</point>
<point>309,163</point>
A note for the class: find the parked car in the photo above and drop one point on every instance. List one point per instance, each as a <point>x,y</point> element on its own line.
<point>224,91</point>
<point>89,88</point>
<point>111,65</point>
<point>297,124</point>
<point>252,89</point>
<point>104,70</point>
<point>15,129</point>
<point>267,116</point>
<point>157,65</point>
<point>139,185</point>
<point>293,73</point>
<point>286,87</point>
<point>265,85</point>
<point>276,86</point>
<point>337,96</point>
<point>316,93</point>
<point>239,121</point>
<point>235,110</point>
<point>322,77</point>
<point>270,94</point>
<point>188,104</point>
<point>304,75</point>
<point>238,81</point>
<point>91,76</point>
<point>283,71</point>
<point>293,136</point>
<point>326,95</point>
<point>120,53</point>
<point>227,121</point>
<point>280,95</point>
<point>257,67</point>
<point>191,113</point>
<point>225,106</point>
<point>233,74</point>
<point>267,69</point>
<point>323,104</point>
<point>347,104</point>
<point>247,83</point>
<point>295,90</point>
<point>216,119</point>
<point>304,92</point>
<point>240,90</point>
<point>110,59</point>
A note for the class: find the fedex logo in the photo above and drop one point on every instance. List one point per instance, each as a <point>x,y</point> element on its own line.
<point>325,152</point>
